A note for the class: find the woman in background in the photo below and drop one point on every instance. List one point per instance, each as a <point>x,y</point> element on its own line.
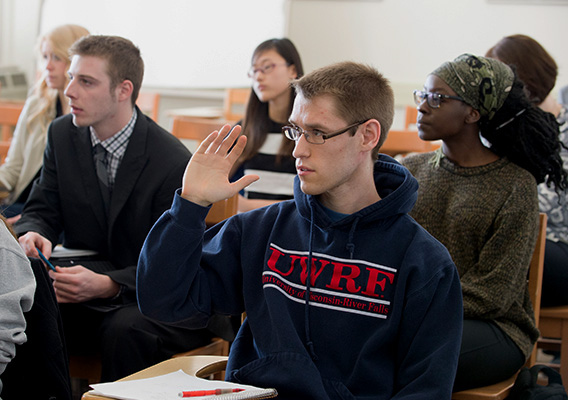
<point>479,198</point>
<point>538,72</point>
<point>47,102</point>
<point>275,63</point>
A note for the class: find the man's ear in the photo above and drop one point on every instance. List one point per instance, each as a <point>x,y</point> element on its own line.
<point>472,117</point>
<point>371,133</point>
<point>124,90</point>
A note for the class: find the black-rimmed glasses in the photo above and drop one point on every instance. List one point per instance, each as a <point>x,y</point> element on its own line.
<point>265,69</point>
<point>314,136</point>
<point>433,99</point>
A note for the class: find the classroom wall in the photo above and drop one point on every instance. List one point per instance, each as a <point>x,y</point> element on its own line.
<point>19,28</point>
<point>405,39</point>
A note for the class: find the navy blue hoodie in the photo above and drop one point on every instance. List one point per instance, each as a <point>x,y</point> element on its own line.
<point>380,318</point>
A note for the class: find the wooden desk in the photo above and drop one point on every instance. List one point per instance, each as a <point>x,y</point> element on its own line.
<point>199,366</point>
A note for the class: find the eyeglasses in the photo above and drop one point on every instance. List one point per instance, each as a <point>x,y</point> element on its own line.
<point>265,69</point>
<point>433,99</point>
<point>314,136</point>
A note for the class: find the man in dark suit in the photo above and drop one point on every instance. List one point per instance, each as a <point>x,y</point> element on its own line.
<point>109,172</point>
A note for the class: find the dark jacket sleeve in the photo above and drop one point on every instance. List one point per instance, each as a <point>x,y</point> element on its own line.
<point>42,212</point>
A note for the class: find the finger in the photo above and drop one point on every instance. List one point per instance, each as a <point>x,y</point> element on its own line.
<point>24,244</point>
<point>237,149</point>
<point>245,181</point>
<point>229,139</point>
<point>218,140</point>
<point>66,290</point>
<point>204,145</point>
<point>62,297</point>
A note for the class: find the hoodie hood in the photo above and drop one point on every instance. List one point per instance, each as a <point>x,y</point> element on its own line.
<point>396,186</point>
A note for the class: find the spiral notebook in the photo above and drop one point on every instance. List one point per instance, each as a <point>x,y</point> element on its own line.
<point>169,387</point>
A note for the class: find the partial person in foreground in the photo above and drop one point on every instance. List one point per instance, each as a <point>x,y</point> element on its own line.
<point>538,72</point>
<point>47,102</point>
<point>478,197</point>
<point>17,287</point>
<point>345,294</point>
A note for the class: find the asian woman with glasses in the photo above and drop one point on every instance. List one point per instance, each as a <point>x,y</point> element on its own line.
<point>275,63</point>
<point>478,196</point>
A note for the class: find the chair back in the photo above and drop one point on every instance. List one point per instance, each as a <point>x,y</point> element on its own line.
<point>410,117</point>
<point>535,276</point>
<point>9,114</point>
<point>195,128</point>
<point>149,104</point>
<point>235,103</point>
<point>404,142</point>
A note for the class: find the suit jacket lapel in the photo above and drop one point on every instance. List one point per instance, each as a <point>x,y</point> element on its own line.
<point>131,166</point>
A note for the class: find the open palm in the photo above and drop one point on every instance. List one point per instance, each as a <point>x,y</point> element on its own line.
<point>206,178</point>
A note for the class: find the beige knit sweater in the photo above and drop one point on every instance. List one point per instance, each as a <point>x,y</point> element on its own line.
<point>487,217</point>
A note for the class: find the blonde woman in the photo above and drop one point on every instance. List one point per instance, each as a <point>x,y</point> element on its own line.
<point>45,103</point>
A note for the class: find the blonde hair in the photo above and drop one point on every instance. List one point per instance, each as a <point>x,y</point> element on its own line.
<point>61,38</point>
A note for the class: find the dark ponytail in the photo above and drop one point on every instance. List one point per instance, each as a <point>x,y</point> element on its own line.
<point>528,136</point>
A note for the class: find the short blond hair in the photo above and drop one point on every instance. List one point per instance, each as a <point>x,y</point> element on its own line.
<point>359,91</point>
<point>124,61</point>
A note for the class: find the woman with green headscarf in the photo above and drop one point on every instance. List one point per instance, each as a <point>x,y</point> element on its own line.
<point>478,196</point>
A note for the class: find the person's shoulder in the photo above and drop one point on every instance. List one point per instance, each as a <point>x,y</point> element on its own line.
<point>9,243</point>
<point>518,175</point>
<point>415,159</point>
<point>417,163</point>
<point>62,129</point>
<point>421,249</point>
<point>65,121</point>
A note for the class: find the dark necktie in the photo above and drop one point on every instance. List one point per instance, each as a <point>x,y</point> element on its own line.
<point>102,173</point>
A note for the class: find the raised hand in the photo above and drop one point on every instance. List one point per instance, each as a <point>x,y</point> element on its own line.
<point>206,178</point>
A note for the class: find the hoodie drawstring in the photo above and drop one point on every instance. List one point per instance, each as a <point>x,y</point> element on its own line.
<point>309,343</point>
<point>350,245</point>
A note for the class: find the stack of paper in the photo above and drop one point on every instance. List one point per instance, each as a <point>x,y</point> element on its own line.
<point>169,386</point>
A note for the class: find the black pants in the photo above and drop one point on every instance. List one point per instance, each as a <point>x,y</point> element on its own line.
<point>40,369</point>
<point>555,278</point>
<point>126,340</point>
<point>487,356</point>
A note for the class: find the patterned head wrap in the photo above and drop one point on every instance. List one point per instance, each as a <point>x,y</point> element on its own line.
<point>483,83</point>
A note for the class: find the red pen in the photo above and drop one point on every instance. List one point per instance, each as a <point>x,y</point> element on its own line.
<point>213,392</point>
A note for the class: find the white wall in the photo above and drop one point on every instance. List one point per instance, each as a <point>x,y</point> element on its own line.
<point>197,44</point>
<point>185,43</point>
<point>19,28</point>
<point>407,39</point>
